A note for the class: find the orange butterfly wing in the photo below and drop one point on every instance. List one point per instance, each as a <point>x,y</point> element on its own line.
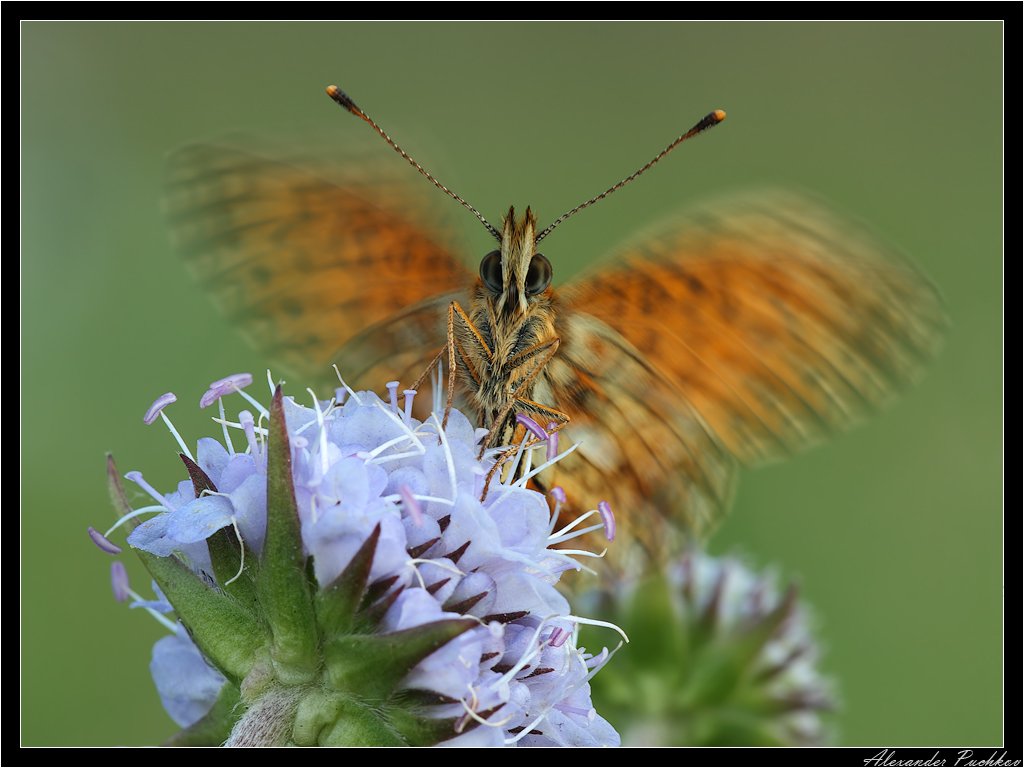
<point>643,446</point>
<point>768,320</point>
<point>307,260</point>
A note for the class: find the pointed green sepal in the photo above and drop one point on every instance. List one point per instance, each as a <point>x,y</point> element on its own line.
<point>337,603</point>
<point>374,665</point>
<point>117,495</point>
<point>753,641</point>
<point>227,633</point>
<point>371,615</point>
<point>213,728</point>
<point>419,731</point>
<point>652,636</point>
<point>225,549</point>
<point>283,587</point>
<point>377,590</point>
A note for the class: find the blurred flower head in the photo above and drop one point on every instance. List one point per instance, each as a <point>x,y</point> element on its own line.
<point>720,656</point>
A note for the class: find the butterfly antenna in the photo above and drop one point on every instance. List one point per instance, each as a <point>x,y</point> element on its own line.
<point>708,121</point>
<point>343,100</point>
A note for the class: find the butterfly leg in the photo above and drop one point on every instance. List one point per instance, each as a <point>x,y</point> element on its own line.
<point>556,418</point>
<point>540,354</point>
<point>456,314</point>
<point>560,420</point>
<point>456,354</point>
<point>502,458</point>
<point>427,371</point>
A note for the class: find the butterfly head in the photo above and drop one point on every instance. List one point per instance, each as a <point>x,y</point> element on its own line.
<point>516,275</point>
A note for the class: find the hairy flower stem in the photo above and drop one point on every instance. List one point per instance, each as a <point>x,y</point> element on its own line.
<point>268,721</point>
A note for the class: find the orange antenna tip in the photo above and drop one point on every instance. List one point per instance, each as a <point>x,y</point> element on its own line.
<point>342,98</point>
<point>719,115</point>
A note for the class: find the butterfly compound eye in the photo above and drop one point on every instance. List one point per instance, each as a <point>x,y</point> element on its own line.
<point>538,276</point>
<point>490,271</point>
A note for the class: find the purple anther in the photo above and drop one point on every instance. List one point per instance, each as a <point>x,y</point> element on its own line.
<point>409,395</point>
<point>226,386</point>
<point>552,444</point>
<point>410,503</point>
<point>158,405</point>
<point>103,542</point>
<point>393,391</point>
<point>557,637</point>
<point>532,426</point>
<point>119,581</point>
<point>136,477</point>
<point>605,510</point>
<point>559,494</point>
<point>340,393</point>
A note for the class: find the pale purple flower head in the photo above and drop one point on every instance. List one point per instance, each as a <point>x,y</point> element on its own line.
<point>368,466</point>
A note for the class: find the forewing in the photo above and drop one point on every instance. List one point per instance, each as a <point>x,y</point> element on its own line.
<point>305,256</point>
<point>777,321</point>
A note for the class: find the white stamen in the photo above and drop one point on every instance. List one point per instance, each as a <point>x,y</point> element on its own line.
<point>384,446</point>
<point>585,553</point>
<point>533,649</point>
<point>482,721</point>
<point>526,731</point>
<point>135,513</point>
<point>177,436</point>
<point>449,461</point>
<point>325,465</point>
<point>224,426</point>
<point>413,561</point>
<point>241,546</point>
<point>582,532</point>
<point>450,567</point>
<point>574,523</point>
<point>438,388</point>
<point>412,435</point>
<point>390,457</point>
<point>528,461</point>
<point>136,477</point>
<point>394,497</point>
<point>261,431</point>
<point>511,471</point>
<point>264,413</point>
<point>351,392</point>
<point>599,623</point>
<point>521,482</point>
<point>153,612</point>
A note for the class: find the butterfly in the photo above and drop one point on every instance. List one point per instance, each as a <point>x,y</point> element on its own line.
<point>739,333</point>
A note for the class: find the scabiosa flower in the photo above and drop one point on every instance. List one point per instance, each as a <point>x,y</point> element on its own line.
<point>341,573</point>
<point>719,657</point>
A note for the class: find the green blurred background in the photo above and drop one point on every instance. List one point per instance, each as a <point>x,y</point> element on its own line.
<point>894,530</point>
